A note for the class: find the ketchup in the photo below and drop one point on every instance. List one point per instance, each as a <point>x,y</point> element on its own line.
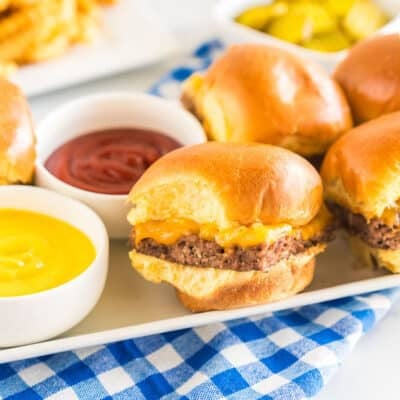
<point>109,161</point>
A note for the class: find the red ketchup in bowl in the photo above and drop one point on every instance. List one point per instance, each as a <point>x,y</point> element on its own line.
<point>109,161</point>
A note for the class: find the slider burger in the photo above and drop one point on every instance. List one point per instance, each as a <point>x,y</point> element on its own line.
<point>256,93</point>
<point>361,175</point>
<point>369,76</point>
<point>229,224</point>
<point>17,141</point>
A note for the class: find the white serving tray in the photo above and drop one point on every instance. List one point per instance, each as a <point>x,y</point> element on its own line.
<point>131,36</point>
<point>132,307</point>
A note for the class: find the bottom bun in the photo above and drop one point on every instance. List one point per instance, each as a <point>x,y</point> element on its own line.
<point>10,175</point>
<point>204,289</point>
<point>389,259</point>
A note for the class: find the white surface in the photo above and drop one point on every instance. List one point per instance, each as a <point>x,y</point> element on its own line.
<point>39,316</point>
<point>103,111</point>
<point>131,307</point>
<point>130,37</point>
<point>225,12</point>
<point>370,371</point>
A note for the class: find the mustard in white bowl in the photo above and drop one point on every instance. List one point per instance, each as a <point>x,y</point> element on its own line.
<point>39,252</point>
<point>53,263</point>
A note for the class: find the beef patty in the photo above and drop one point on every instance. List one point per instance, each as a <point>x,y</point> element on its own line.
<point>375,232</point>
<point>195,251</point>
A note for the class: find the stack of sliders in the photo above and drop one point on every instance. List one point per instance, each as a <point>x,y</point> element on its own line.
<point>361,171</point>
<point>229,224</point>
<point>233,224</point>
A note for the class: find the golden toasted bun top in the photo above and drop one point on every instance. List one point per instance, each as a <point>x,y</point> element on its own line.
<point>370,77</point>
<point>256,93</point>
<point>227,184</point>
<point>361,171</point>
<point>17,153</point>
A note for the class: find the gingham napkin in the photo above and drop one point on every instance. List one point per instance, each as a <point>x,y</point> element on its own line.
<point>282,355</point>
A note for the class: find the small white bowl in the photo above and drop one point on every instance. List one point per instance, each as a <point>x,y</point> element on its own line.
<point>102,111</point>
<point>225,12</point>
<point>40,316</point>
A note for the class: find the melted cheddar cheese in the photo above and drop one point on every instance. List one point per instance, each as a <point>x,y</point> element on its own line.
<point>168,232</point>
<point>391,216</point>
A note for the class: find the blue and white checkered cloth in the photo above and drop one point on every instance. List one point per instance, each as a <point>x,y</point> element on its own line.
<point>282,355</point>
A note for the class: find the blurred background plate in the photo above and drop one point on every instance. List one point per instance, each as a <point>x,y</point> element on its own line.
<point>131,37</point>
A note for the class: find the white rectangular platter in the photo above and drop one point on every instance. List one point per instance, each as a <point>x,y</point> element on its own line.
<point>132,307</point>
<point>131,36</point>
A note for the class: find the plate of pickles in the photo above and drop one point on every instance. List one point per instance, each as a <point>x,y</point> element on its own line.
<point>320,29</point>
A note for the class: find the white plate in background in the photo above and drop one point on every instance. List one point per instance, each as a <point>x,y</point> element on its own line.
<point>131,36</point>
<point>132,307</point>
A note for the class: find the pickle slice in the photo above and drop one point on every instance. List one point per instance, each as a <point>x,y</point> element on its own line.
<point>292,28</point>
<point>363,19</point>
<point>303,20</point>
<point>321,19</point>
<point>258,17</point>
<point>339,7</point>
<point>329,42</point>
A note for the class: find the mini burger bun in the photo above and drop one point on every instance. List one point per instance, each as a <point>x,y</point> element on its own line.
<point>17,141</point>
<point>227,184</point>
<point>369,76</point>
<point>373,257</point>
<point>361,171</point>
<point>258,93</point>
<point>204,289</point>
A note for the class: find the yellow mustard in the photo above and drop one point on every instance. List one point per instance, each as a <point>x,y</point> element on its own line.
<point>38,252</point>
